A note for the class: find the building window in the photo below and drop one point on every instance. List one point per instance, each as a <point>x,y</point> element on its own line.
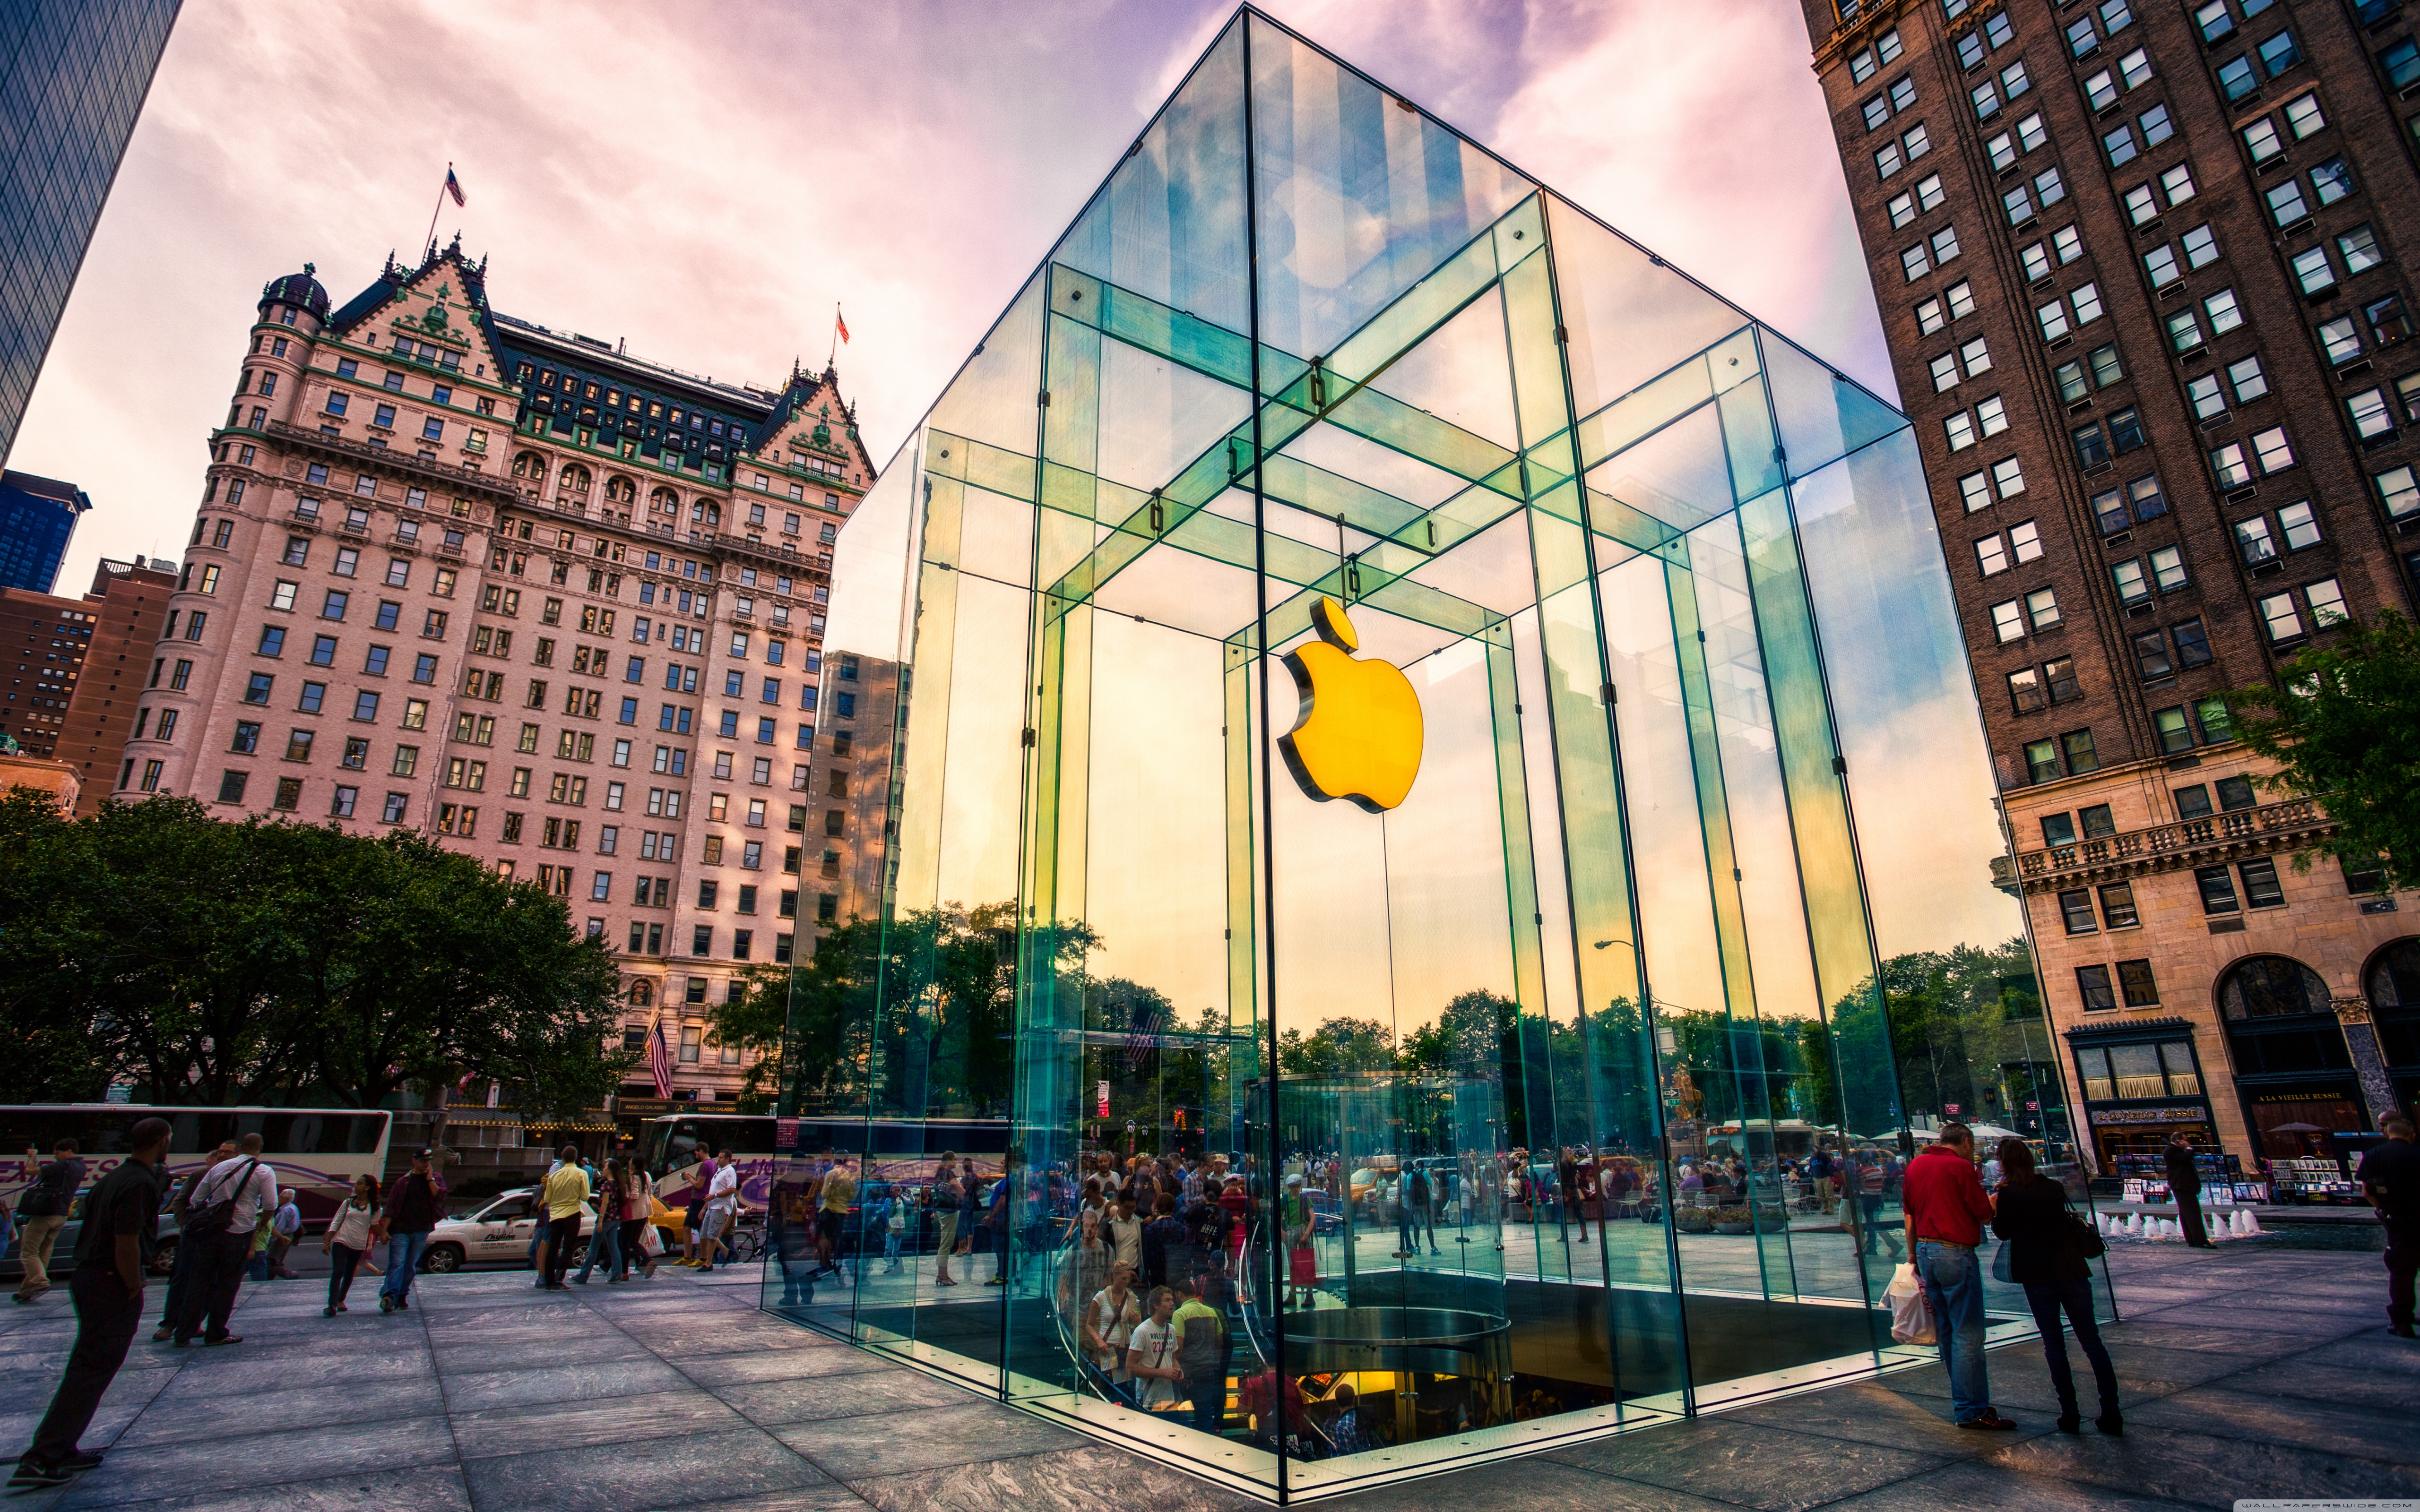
<point>2117,906</point>
<point>2075,909</point>
<point>2092,982</point>
<point>2262,889</point>
<point>2217,890</point>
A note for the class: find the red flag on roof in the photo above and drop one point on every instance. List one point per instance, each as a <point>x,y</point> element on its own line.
<point>839,324</point>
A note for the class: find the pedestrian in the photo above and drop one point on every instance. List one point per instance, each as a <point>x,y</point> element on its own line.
<point>611,1197</point>
<point>1873,1176</point>
<point>943,1197</point>
<point>834,1200</point>
<point>42,1212</point>
<point>2032,1218</point>
<point>283,1229</point>
<point>1153,1358</point>
<point>638,1222</point>
<point>1567,1174</point>
<point>1946,1208</point>
<point>1302,1262</point>
<point>180,1270</point>
<point>1350,1430</point>
<point>1122,1232</point>
<point>2390,1174</point>
<point>412,1209</point>
<point>1423,1205</point>
<point>721,1206</point>
<point>2184,1186</point>
<point>347,1239</point>
<point>1163,1252</point>
<point>1108,1322</point>
<point>1203,1351</point>
<point>566,1197</point>
<point>700,1178</point>
<point>229,1210</point>
<point>113,1254</point>
<point>895,1227</point>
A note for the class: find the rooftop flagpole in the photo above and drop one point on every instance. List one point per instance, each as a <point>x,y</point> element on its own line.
<point>451,186</point>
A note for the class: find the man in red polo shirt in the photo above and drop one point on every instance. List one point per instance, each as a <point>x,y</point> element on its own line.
<point>1947,1208</point>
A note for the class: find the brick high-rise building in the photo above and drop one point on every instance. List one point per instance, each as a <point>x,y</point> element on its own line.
<point>2145,270</point>
<point>559,606</point>
<point>74,667</point>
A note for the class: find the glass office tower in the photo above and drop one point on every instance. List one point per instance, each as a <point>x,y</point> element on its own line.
<point>73,78</point>
<point>1441,748</point>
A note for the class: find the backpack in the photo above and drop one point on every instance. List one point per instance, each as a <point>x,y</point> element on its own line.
<point>214,1220</point>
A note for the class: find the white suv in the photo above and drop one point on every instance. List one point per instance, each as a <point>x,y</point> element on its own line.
<point>499,1231</point>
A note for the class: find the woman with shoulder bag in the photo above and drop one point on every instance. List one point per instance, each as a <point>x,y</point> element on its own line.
<point>2049,1255</point>
<point>347,1239</point>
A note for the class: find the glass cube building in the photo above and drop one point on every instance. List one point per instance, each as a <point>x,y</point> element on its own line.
<point>1438,749</point>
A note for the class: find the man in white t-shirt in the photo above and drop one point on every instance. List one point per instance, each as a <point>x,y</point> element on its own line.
<point>721,1205</point>
<point>250,1188</point>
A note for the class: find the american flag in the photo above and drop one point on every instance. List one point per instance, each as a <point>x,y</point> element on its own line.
<point>453,185</point>
<point>660,1060</point>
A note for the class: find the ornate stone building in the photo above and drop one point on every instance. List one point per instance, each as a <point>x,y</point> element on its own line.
<point>556,606</point>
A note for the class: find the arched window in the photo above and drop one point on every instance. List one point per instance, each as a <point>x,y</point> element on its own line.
<point>664,502</point>
<point>642,992</point>
<point>2392,981</point>
<point>575,483</point>
<point>2272,986</point>
<point>530,465</point>
<point>620,490</point>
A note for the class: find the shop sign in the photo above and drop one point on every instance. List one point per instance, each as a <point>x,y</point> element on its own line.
<point>2188,1113</point>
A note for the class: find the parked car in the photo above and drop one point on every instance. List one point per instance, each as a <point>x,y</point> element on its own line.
<point>501,1231</point>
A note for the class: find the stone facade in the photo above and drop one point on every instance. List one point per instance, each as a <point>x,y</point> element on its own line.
<point>2145,274</point>
<point>558,606</point>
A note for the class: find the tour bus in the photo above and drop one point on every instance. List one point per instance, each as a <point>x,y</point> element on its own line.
<point>888,1149</point>
<point>318,1152</point>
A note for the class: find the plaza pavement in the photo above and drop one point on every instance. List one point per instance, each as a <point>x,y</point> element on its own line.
<point>2249,1372</point>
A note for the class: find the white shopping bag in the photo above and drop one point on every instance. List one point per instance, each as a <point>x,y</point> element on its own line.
<point>651,1243</point>
<point>1911,1317</point>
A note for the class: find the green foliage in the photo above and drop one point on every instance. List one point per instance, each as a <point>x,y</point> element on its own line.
<point>269,962</point>
<point>2342,730</point>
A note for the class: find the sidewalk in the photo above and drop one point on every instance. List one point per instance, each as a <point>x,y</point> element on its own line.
<point>2248,1373</point>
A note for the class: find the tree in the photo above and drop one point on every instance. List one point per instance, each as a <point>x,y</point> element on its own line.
<point>757,1018</point>
<point>2340,732</point>
<point>269,962</point>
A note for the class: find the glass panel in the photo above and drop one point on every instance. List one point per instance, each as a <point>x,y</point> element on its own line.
<point>1395,829</point>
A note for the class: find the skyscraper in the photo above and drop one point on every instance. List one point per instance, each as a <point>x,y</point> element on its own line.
<point>558,606</point>
<point>2146,275</point>
<point>38,516</point>
<point>73,78</point>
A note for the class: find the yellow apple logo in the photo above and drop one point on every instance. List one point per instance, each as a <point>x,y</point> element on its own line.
<point>1359,734</point>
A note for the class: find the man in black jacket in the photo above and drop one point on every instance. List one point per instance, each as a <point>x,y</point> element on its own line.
<point>2390,1174</point>
<point>2184,1182</point>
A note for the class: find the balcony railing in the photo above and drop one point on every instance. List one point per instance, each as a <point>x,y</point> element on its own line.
<point>2161,846</point>
<point>445,472</point>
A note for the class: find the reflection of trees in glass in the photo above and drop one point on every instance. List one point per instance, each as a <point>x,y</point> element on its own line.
<point>1966,1026</point>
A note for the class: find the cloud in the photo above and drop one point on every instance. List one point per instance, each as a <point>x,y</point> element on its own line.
<point>707,182</point>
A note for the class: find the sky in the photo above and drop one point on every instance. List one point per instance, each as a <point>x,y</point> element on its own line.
<point>709,182</point>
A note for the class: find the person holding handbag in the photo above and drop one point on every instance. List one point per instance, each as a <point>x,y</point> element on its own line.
<point>42,1212</point>
<point>2049,1250</point>
<point>611,1197</point>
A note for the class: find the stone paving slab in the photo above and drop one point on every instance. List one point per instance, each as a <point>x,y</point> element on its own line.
<point>2246,1373</point>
